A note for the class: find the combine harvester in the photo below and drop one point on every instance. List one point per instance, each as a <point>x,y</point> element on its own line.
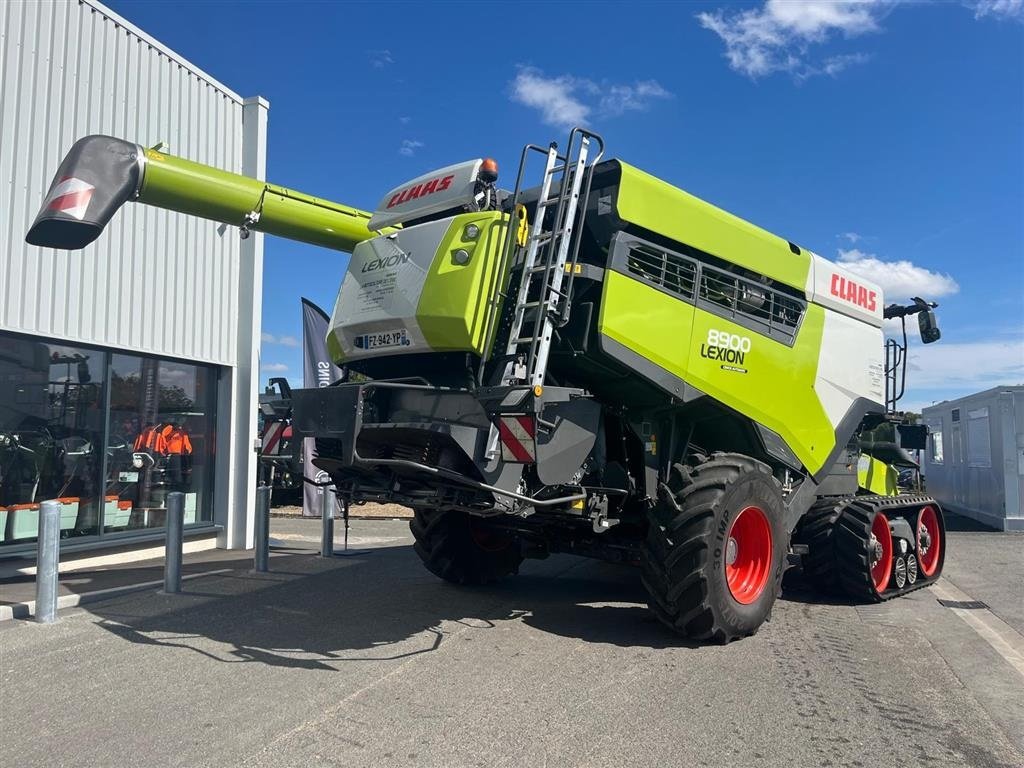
<point>597,363</point>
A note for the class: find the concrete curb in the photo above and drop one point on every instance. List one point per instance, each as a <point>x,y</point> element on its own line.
<point>26,610</point>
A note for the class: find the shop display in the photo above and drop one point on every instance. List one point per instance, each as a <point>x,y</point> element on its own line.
<point>108,435</point>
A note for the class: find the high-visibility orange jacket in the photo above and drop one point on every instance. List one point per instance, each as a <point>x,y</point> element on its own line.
<point>177,440</point>
<point>151,439</point>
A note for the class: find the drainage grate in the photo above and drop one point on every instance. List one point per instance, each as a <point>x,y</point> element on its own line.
<point>966,604</point>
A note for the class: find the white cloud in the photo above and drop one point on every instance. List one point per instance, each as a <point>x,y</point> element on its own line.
<point>380,59</point>
<point>1006,9</point>
<point>617,99</point>
<point>567,100</point>
<point>285,341</point>
<point>899,280</point>
<point>552,96</point>
<point>409,147</point>
<point>833,65</point>
<point>274,367</point>
<point>959,369</point>
<point>404,120</point>
<point>853,237</point>
<point>778,36</point>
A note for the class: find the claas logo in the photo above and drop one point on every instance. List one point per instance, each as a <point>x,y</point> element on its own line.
<point>847,290</point>
<point>439,184</point>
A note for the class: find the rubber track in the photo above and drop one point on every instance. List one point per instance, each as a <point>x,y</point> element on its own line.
<point>815,530</point>
<point>850,533</point>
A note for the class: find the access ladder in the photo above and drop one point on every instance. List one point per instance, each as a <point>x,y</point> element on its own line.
<point>549,252</point>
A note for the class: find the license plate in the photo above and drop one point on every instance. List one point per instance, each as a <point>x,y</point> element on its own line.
<point>384,339</point>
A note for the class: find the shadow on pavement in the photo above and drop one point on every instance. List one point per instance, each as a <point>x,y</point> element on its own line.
<point>959,524</point>
<point>311,615</point>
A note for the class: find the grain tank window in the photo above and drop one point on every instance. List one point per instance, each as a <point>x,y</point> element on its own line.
<point>750,303</point>
<point>979,440</point>
<point>668,270</point>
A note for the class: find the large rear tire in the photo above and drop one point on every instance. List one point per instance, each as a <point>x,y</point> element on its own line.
<point>715,548</point>
<point>462,549</point>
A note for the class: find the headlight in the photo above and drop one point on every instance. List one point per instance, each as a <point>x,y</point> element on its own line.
<point>461,256</point>
<point>471,232</point>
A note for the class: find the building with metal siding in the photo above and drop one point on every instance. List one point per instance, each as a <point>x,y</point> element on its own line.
<point>974,462</point>
<point>160,300</point>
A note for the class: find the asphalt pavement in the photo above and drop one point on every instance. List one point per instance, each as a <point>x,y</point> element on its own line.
<point>371,661</point>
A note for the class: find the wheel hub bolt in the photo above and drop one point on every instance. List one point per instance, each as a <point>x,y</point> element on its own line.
<point>731,551</point>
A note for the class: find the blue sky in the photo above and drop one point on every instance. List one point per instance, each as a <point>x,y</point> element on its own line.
<point>887,135</point>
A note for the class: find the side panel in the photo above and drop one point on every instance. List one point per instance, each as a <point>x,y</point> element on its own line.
<point>409,293</point>
<point>649,322</point>
<point>764,379</point>
<point>656,205</point>
<point>770,383</point>
<point>850,365</point>
<point>453,306</point>
<point>876,476</point>
<point>832,286</point>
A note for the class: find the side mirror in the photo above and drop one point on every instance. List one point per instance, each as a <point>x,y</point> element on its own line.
<point>928,326</point>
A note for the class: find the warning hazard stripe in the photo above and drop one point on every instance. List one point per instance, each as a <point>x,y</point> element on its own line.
<point>272,436</point>
<point>71,196</point>
<point>517,438</point>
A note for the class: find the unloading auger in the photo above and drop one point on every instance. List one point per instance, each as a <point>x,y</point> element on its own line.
<point>101,173</point>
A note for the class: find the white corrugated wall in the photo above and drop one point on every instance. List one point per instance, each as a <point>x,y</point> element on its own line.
<point>155,281</point>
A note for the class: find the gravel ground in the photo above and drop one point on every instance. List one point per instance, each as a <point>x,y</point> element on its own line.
<point>366,511</point>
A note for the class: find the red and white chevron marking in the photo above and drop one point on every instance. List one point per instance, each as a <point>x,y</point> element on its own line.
<point>71,196</point>
<point>518,439</point>
<point>272,434</point>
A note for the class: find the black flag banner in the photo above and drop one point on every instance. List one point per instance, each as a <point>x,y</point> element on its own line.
<point>318,370</point>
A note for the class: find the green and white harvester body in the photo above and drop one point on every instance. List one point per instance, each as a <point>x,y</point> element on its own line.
<point>594,362</point>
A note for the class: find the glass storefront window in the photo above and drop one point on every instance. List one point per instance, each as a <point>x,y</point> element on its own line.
<point>51,436</point>
<point>108,435</point>
<point>161,440</point>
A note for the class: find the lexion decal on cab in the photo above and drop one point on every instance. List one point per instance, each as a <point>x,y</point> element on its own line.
<point>387,261</point>
<point>439,184</point>
<point>727,347</point>
<point>847,290</point>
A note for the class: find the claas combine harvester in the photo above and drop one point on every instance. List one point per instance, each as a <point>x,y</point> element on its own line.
<point>595,363</point>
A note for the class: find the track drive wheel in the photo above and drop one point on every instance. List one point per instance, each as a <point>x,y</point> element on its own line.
<point>461,548</point>
<point>931,539</point>
<point>863,552</point>
<point>713,557</point>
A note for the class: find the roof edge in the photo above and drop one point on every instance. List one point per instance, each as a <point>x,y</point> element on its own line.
<point>152,41</point>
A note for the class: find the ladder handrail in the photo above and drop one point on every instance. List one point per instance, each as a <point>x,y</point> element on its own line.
<point>557,255</point>
<point>567,306</point>
<point>503,261</point>
<point>545,255</point>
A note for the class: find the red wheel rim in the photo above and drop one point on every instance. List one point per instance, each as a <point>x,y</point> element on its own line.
<point>882,569</point>
<point>748,556</point>
<point>928,522</point>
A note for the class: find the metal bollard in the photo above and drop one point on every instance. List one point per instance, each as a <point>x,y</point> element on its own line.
<point>175,526</point>
<point>47,561</point>
<point>262,555</point>
<point>327,521</point>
